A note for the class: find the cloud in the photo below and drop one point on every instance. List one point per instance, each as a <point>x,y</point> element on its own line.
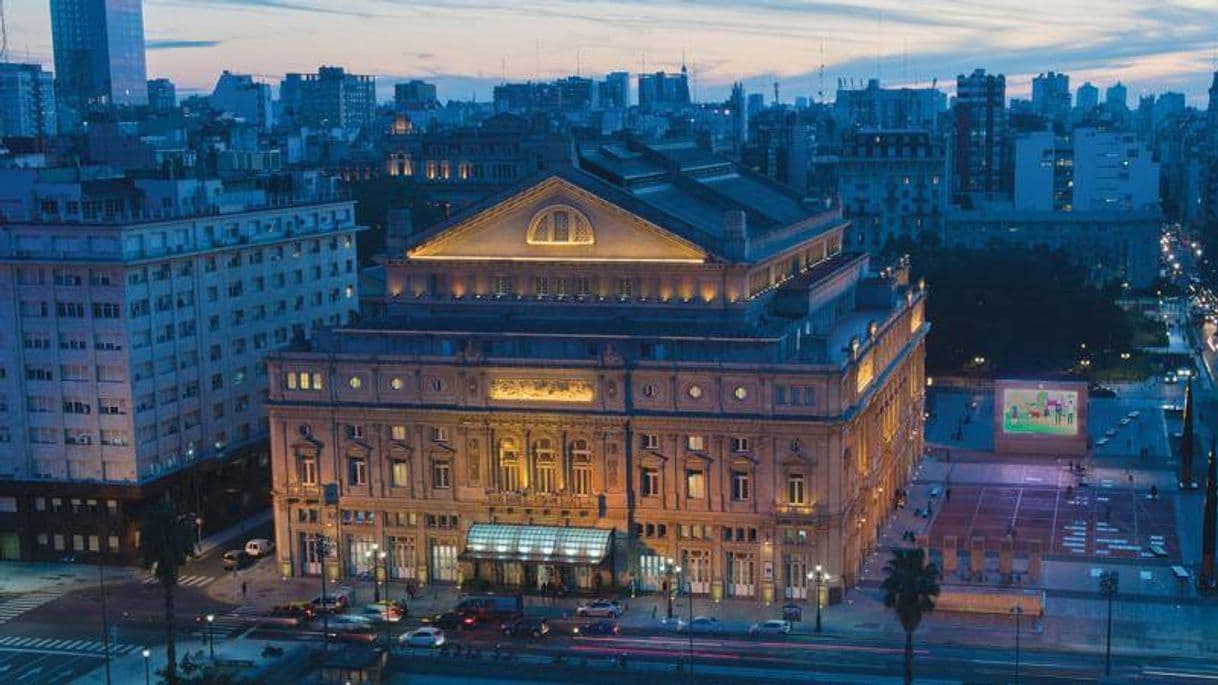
<point>284,5</point>
<point>173,44</point>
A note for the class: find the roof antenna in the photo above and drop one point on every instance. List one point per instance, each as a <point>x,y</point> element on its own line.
<point>820,93</point>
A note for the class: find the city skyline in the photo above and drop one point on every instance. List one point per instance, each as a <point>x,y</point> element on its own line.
<point>467,47</point>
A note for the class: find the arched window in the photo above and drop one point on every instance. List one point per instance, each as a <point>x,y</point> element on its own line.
<point>509,465</point>
<point>560,225</point>
<point>547,465</point>
<point>581,467</point>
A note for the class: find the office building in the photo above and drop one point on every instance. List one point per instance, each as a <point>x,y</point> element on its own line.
<point>655,355</point>
<point>1117,97</point>
<point>1051,97</point>
<point>1087,97</point>
<point>136,315</point>
<point>162,95</point>
<point>892,186</point>
<point>662,92</point>
<point>1089,170</point>
<point>614,91</point>
<point>99,55</point>
<point>27,101</point>
<point>1043,172</point>
<point>243,97</point>
<point>980,140</point>
<point>874,107</point>
<point>414,94</point>
<point>329,99</point>
<point>737,105</point>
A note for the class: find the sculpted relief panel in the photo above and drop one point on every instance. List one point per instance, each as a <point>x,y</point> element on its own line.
<point>541,390</point>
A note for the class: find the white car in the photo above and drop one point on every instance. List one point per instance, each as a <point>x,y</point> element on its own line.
<point>772,627</point>
<point>426,636</point>
<point>259,547</point>
<point>603,608</point>
<point>702,624</point>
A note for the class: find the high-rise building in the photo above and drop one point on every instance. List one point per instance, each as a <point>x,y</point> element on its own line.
<point>1167,105</point>
<point>980,140</point>
<point>755,104</point>
<point>499,424</point>
<point>1087,97</point>
<point>1117,96</point>
<point>242,96</point>
<point>615,91</point>
<point>740,114</point>
<point>875,107</point>
<point>414,94</point>
<point>663,92</point>
<point>892,186</point>
<point>1051,96</point>
<point>162,95</point>
<point>1089,170</point>
<point>331,98</point>
<point>27,101</point>
<point>1209,175</point>
<point>99,55</point>
<point>136,318</point>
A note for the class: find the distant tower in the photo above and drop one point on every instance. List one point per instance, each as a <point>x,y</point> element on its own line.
<point>740,114</point>
<point>776,92</point>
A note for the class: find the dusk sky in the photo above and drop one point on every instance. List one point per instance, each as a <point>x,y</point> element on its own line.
<point>466,45</point>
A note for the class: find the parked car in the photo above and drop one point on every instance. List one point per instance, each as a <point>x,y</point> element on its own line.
<point>701,624</point>
<point>351,629</point>
<point>452,620</point>
<point>259,547</point>
<point>596,628</point>
<point>236,559</point>
<point>384,612</point>
<point>427,636</point>
<point>600,607</point>
<point>299,610</point>
<point>526,626</point>
<point>773,627</point>
<point>333,603</point>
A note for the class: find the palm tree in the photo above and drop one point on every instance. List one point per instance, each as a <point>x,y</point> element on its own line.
<point>166,540</point>
<point>910,588</point>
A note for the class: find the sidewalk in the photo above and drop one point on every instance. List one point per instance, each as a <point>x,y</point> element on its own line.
<point>130,669</point>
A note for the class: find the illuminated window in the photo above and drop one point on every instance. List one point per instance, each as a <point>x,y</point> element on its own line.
<point>560,225</point>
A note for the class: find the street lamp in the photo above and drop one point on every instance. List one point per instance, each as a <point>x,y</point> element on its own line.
<point>198,534</point>
<point>1018,611</point>
<point>669,568</point>
<point>818,576</point>
<point>211,641</point>
<point>1109,584</point>
<point>147,653</point>
<point>374,555</point>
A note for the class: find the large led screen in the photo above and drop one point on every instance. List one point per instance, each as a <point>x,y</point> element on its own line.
<point>1039,411</point>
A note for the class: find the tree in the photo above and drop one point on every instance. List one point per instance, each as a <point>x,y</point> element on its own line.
<point>910,587</point>
<point>166,540</point>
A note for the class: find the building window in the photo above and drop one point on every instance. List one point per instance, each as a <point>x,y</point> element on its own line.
<point>651,441</point>
<point>399,473</point>
<point>397,432</point>
<point>740,393</point>
<point>583,286</point>
<point>695,484</point>
<point>441,474</point>
<point>650,483</point>
<point>397,384</point>
<point>624,288</point>
<point>650,390</point>
<point>502,286</point>
<point>694,391</point>
<point>582,476</point>
<point>796,491</point>
<point>547,468</point>
<point>740,444</point>
<point>741,487</point>
<point>357,471</point>
<point>354,431</point>
<point>696,443</point>
<point>439,434</point>
<point>355,382</point>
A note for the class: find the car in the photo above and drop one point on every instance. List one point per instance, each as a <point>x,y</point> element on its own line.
<point>427,636</point>
<point>1097,390</point>
<point>333,603</point>
<point>530,626</point>
<point>597,628</point>
<point>1125,421</point>
<point>299,610</point>
<point>351,629</point>
<point>1110,432</point>
<point>774,626</point>
<point>600,607</point>
<point>236,559</point>
<point>702,624</point>
<point>259,547</point>
<point>452,620</point>
<point>384,612</point>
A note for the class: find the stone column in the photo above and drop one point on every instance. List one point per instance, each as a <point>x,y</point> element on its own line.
<point>950,557</point>
<point>976,557</point>
<point>1034,559</point>
<point>1006,556</point>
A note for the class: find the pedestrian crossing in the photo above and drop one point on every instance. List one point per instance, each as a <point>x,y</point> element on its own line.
<point>183,581</point>
<point>12,608</point>
<point>53,645</point>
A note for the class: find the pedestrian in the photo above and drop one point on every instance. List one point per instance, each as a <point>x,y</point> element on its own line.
<point>947,495</point>
<point>653,612</point>
<point>243,590</point>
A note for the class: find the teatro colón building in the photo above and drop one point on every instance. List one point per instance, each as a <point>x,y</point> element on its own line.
<point>652,355</point>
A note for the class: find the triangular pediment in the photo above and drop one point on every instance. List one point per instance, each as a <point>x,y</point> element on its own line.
<point>556,220</point>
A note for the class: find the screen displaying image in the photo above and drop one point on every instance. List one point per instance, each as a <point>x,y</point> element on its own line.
<point>1040,412</point>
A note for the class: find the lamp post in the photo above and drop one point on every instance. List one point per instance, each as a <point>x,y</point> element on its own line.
<point>817,576</point>
<point>1109,583</point>
<point>322,550</point>
<point>198,534</point>
<point>689,597</point>
<point>668,573</point>
<point>101,587</point>
<point>1018,611</point>
<point>211,641</point>
<point>147,654</point>
<point>375,555</point>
